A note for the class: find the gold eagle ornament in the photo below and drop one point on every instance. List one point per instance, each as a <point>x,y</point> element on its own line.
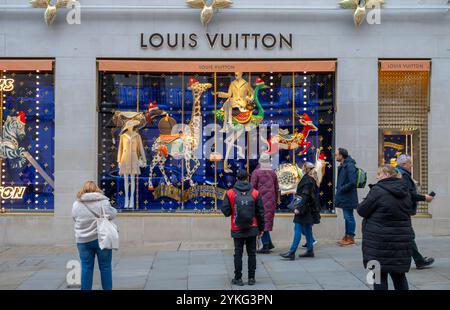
<point>360,7</point>
<point>207,12</point>
<point>50,9</point>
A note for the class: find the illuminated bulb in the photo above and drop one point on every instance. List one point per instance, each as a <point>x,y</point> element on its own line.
<point>36,177</point>
<point>37,108</point>
<point>37,145</point>
<point>36,195</point>
<point>37,152</point>
<point>37,139</point>
<point>304,84</point>
<point>36,201</point>
<point>37,71</point>
<point>37,95</point>
<point>37,101</point>
<point>37,126</point>
<point>3,183</point>
<point>37,89</point>
<point>304,96</point>
<point>304,77</point>
<point>37,83</point>
<point>37,114</point>
<point>37,76</point>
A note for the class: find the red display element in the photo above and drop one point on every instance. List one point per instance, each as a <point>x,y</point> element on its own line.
<point>152,105</point>
<point>322,156</point>
<point>192,81</point>
<point>22,117</point>
<point>259,81</point>
<point>306,118</point>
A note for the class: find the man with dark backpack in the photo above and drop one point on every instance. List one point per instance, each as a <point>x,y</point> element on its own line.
<point>245,206</point>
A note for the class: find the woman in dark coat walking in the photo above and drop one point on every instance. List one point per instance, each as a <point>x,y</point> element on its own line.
<point>386,228</point>
<point>265,181</point>
<point>306,214</point>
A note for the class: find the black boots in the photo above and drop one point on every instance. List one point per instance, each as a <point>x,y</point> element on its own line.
<point>271,246</point>
<point>251,281</point>
<point>288,255</point>
<point>427,261</point>
<point>237,282</point>
<point>264,250</point>
<point>307,254</point>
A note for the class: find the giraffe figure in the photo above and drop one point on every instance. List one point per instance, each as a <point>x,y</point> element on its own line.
<point>180,145</point>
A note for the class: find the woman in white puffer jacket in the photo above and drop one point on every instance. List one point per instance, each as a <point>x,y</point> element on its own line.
<point>90,201</point>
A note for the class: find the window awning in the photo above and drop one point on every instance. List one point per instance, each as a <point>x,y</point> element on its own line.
<point>198,66</point>
<point>26,64</point>
<point>405,65</point>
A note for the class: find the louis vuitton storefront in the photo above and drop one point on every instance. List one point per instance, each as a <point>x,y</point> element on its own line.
<point>195,101</point>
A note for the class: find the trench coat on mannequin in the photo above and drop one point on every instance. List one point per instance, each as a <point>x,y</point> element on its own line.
<point>131,152</point>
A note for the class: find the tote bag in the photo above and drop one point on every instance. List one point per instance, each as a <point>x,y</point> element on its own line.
<point>108,235</point>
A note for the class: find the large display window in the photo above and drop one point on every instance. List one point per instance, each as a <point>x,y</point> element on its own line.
<point>403,116</point>
<point>173,134</point>
<point>27,135</point>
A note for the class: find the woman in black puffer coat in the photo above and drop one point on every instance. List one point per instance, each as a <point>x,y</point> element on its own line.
<point>386,228</point>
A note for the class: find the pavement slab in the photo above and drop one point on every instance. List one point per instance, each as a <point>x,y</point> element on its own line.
<point>162,267</point>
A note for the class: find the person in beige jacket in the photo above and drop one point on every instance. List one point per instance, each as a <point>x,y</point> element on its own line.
<point>130,157</point>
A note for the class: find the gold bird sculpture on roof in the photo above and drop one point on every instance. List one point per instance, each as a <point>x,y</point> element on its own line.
<point>208,10</point>
<point>360,7</point>
<point>50,9</point>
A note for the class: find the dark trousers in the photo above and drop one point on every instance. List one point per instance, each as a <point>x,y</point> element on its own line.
<point>399,280</point>
<point>417,257</point>
<point>250,244</point>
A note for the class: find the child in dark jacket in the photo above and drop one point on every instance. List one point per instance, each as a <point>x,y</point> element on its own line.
<point>245,206</point>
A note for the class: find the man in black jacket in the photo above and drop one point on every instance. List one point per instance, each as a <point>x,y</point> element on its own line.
<point>404,166</point>
<point>244,235</point>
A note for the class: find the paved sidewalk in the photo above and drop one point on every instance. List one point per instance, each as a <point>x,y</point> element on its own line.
<point>156,267</point>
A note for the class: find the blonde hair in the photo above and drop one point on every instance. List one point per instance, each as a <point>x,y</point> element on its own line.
<point>389,170</point>
<point>309,170</point>
<point>89,187</point>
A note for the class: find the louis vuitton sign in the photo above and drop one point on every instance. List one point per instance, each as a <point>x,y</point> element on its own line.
<point>224,41</point>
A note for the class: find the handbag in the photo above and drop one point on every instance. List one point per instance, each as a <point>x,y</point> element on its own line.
<point>295,203</point>
<point>108,234</point>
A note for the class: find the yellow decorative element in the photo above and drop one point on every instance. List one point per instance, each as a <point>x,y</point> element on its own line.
<point>50,10</point>
<point>360,7</point>
<point>6,84</point>
<point>207,12</point>
<point>9,192</point>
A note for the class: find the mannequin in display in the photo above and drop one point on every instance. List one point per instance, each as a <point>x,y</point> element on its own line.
<point>239,95</point>
<point>130,158</point>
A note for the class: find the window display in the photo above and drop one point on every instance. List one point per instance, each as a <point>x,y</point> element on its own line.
<point>403,116</point>
<point>194,127</point>
<point>27,135</point>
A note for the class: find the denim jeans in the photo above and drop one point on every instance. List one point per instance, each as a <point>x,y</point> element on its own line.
<point>265,239</point>
<point>350,223</point>
<point>306,230</point>
<point>87,252</point>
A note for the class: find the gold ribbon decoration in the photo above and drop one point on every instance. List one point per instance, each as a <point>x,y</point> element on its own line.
<point>50,9</point>
<point>207,12</point>
<point>360,7</point>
